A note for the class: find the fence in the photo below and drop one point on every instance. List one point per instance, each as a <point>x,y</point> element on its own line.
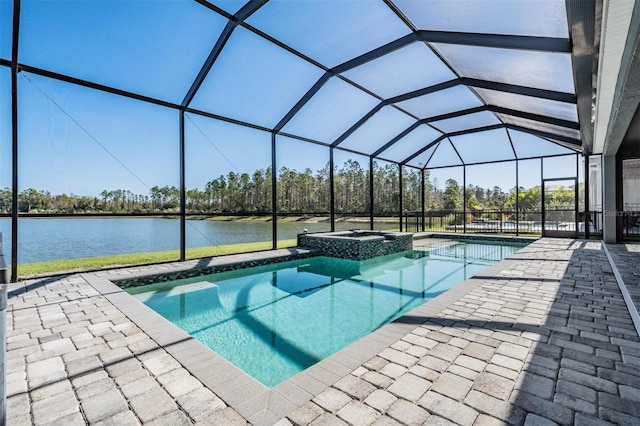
<point>486,221</point>
<point>631,224</point>
<point>523,222</point>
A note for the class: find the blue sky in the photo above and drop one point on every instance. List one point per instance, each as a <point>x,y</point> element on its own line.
<point>63,151</point>
<point>6,11</point>
<point>216,148</point>
<point>155,48</point>
<point>5,128</point>
<point>81,141</point>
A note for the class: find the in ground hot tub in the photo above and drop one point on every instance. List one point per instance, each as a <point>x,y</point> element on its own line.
<point>357,245</point>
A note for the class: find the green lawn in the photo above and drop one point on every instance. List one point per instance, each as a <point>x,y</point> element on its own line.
<point>91,263</point>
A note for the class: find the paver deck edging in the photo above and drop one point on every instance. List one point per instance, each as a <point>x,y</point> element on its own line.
<point>631,306</point>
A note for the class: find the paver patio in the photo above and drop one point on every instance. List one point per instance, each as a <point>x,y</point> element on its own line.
<point>543,337</point>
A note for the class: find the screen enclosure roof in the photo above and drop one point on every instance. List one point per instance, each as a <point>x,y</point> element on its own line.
<point>409,81</point>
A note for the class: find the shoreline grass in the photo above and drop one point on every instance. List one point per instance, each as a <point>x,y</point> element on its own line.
<point>32,270</point>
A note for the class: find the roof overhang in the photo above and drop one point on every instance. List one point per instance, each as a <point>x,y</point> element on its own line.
<point>618,83</point>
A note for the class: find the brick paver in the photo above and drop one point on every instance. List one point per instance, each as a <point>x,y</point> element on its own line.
<point>523,348</point>
<point>73,358</point>
<point>545,338</point>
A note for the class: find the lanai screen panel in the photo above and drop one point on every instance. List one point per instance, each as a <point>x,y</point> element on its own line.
<point>402,71</point>
<point>122,44</point>
<point>351,186</point>
<point>5,132</point>
<point>255,81</point>
<point>523,17</point>
<point>445,155</point>
<point>411,187</point>
<point>441,102</point>
<point>483,147</point>
<point>421,159</point>
<point>6,13</point>
<point>378,130</point>
<point>386,201</point>
<point>537,125</point>
<point>528,68</point>
<point>302,170</point>
<point>411,143</point>
<point>330,32</point>
<point>75,140</point>
<point>470,121</point>
<point>534,105</point>
<point>559,167</point>
<point>331,111</point>
<point>530,195</point>
<point>443,189</point>
<point>530,146</point>
<point>5,159</point>
<point>220,176</point>
<point>581,184</point>
<point>489,187</point>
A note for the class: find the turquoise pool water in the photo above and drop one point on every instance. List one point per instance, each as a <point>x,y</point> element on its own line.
<point>275,321</point>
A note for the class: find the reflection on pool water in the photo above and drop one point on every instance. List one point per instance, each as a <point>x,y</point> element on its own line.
<point>274,321</point>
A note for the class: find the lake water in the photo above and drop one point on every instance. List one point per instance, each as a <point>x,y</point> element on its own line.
<point>72,238</point>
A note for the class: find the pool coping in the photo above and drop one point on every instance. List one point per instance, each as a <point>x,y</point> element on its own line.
<point>476,236</point>
<point>256,402</point>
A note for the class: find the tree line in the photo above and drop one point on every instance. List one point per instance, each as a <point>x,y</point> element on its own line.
<point>479,199</point>
<point>297,192</point>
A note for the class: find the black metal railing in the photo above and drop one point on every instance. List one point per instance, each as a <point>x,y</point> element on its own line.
<point>485,221</point>
<point>631,224</point>
<point>501,221</point>
<point>443,220</point>
<point>590,224</point>
<point>412,221</point>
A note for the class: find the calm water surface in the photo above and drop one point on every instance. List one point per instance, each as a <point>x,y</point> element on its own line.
<point>72,238</point>
<point>274,321</point>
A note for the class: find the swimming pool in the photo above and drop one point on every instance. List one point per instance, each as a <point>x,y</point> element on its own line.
<point>276,320</point>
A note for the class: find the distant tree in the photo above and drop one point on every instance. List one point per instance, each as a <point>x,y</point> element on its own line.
<point>351,187</point>
<point>5,200</point>
<point>562,197</point>
<point>411,181</point>
<point>528,199</point>
<point>452,197</point>
<point>84,204</point>
<point>305,191</point>
<point>386,189</point>
<point>31,199</point>
<point>472,201</point>
<point>245,189</point>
